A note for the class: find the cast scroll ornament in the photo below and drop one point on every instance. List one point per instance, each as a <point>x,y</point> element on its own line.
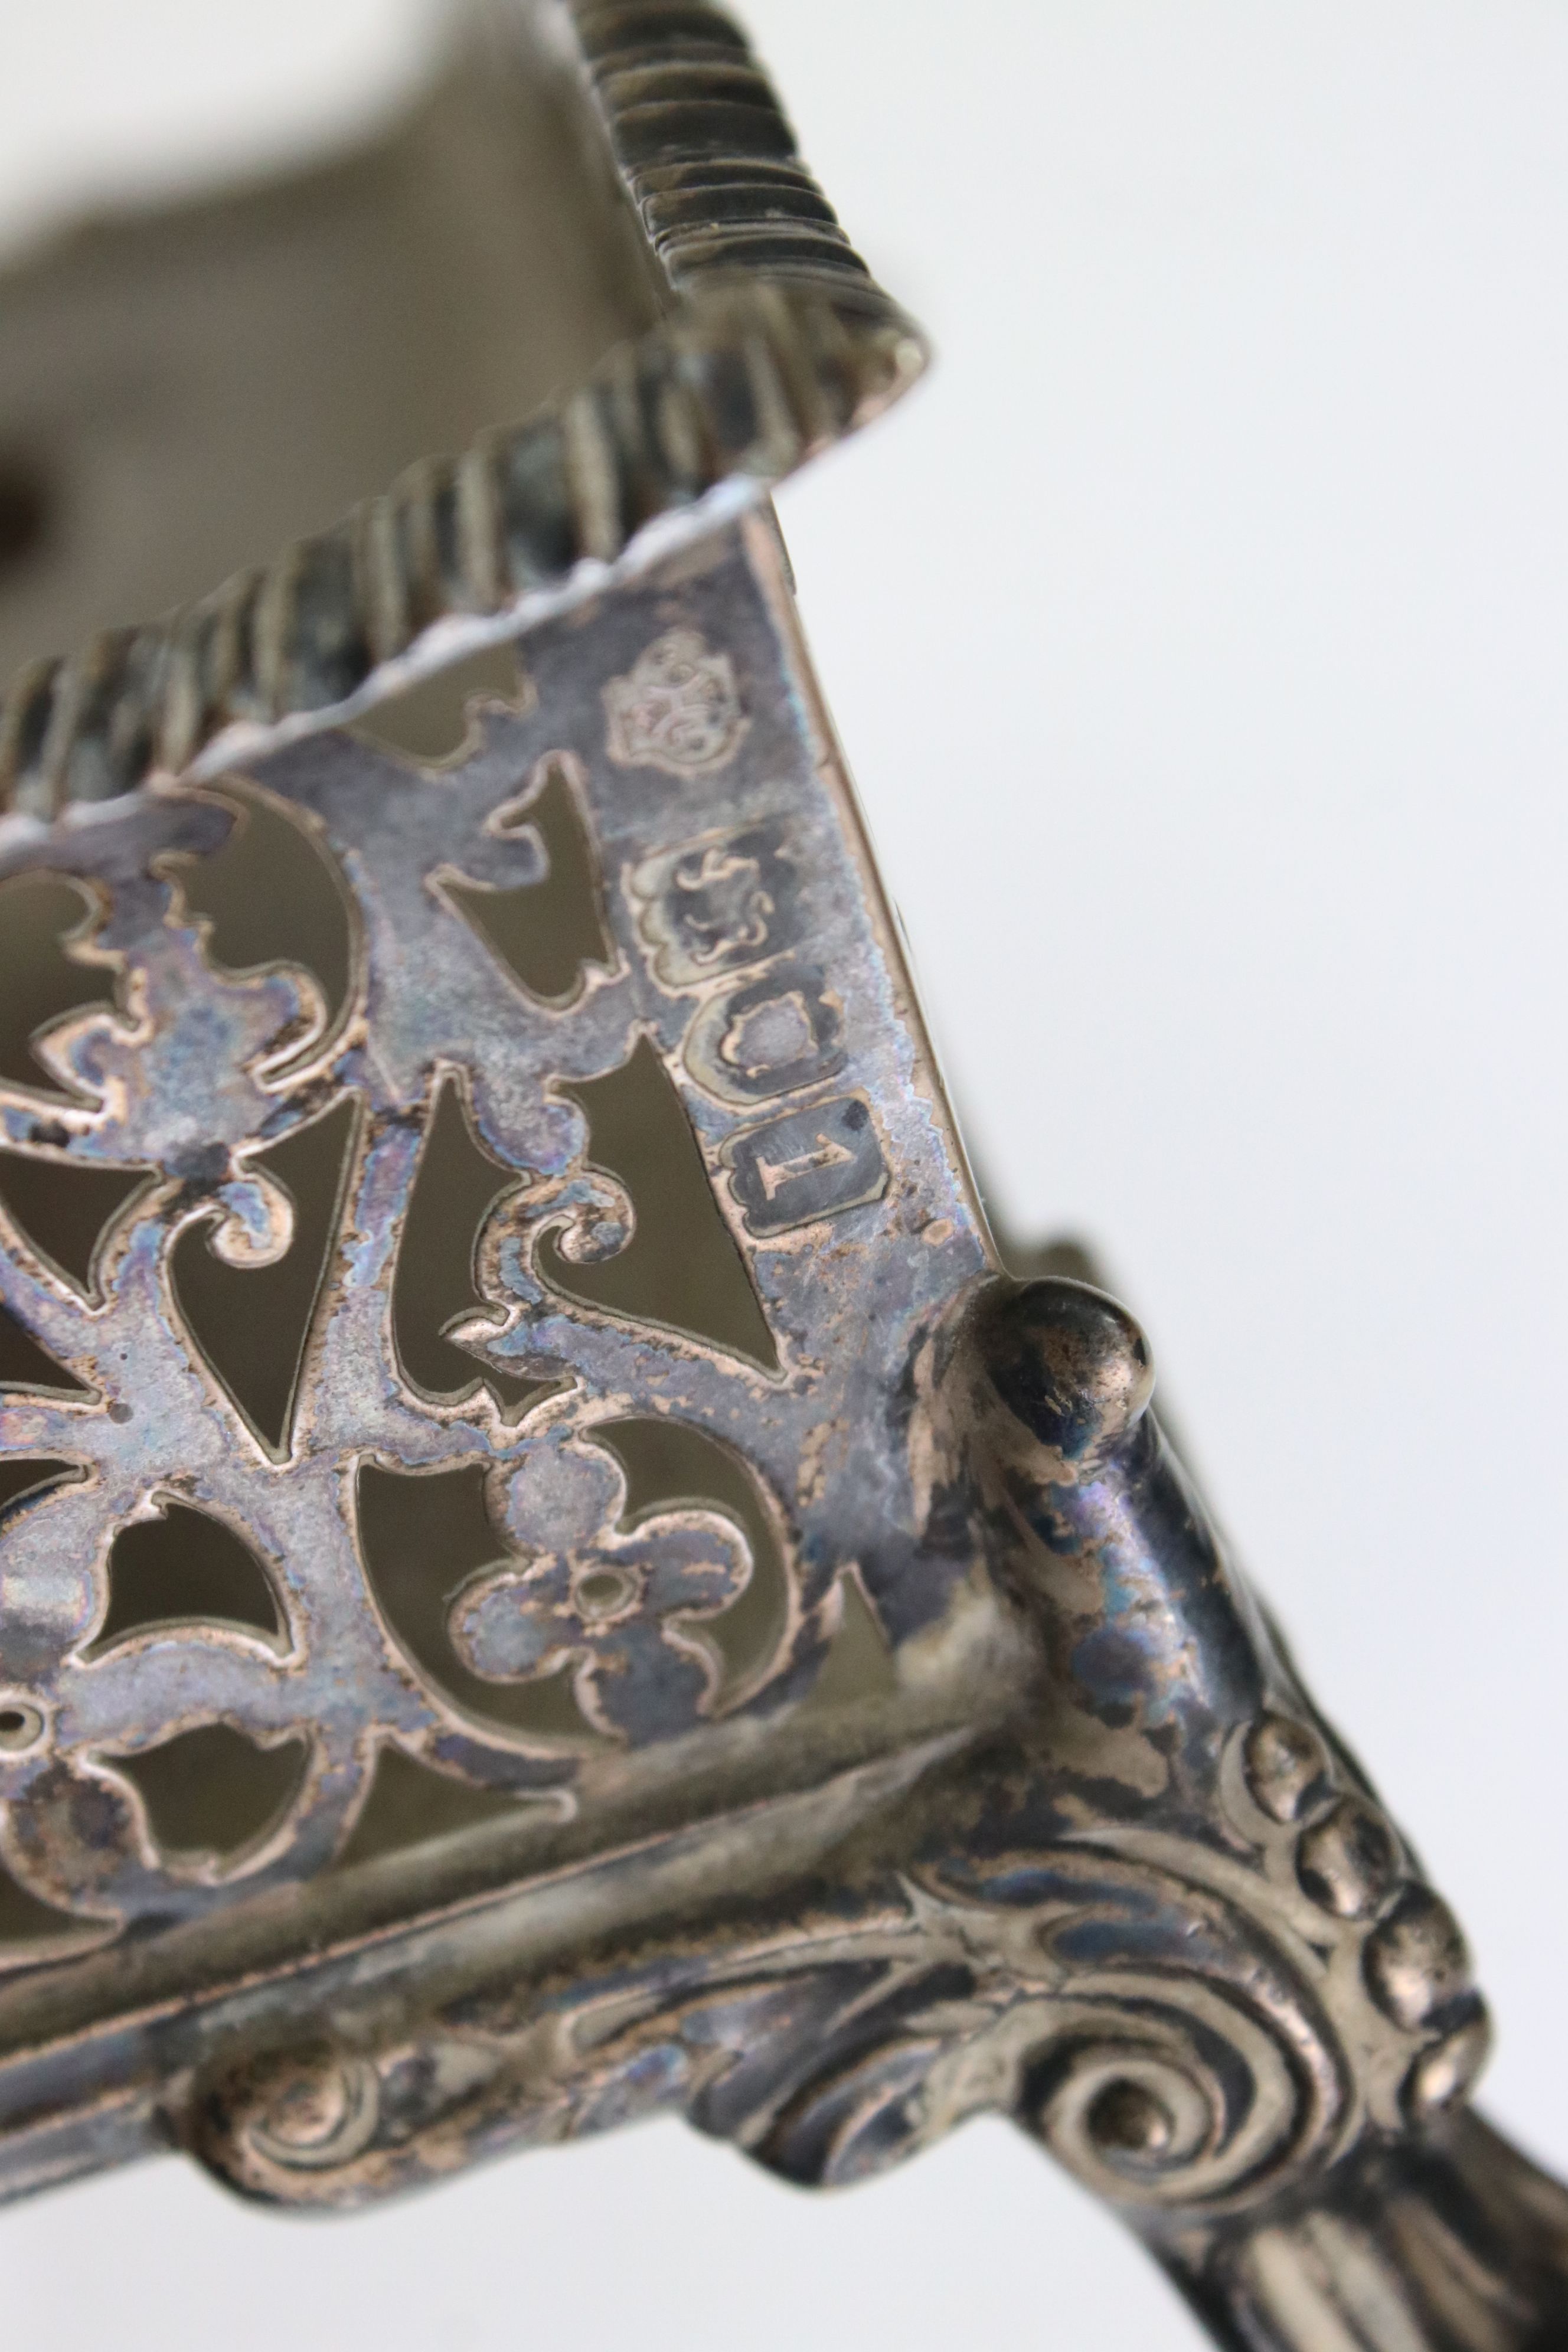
<point>1154,2036</point>
<point>1183,2038</point>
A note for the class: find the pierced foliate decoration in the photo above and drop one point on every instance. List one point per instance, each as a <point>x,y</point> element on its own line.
<point>546,1573</point>
<point>391,1214</point>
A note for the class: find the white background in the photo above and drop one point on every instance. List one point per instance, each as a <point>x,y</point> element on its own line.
<point>1197,635</point>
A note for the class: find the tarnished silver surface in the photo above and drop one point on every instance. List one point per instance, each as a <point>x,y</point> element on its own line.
<point>547,1574</point>
<point>733,897</point>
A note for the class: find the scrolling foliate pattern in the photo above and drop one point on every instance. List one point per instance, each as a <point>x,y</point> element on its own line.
<point>527,1323</point>
<point>237,1354</point>
<point>1205,1990</point>
<point>1183,2043</point>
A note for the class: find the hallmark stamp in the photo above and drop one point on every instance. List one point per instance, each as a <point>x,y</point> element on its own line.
<point>806,1165</point>
<point>772,1035</point>
<point>678,708</point>
<point>717,904</point>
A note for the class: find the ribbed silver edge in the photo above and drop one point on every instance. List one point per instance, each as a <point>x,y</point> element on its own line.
<point>778,343</point>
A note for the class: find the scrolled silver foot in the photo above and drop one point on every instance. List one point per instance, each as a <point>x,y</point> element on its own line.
<point>1376,2210</point>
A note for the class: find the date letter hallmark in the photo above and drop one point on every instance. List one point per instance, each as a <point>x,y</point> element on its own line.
<point>806,1165</point>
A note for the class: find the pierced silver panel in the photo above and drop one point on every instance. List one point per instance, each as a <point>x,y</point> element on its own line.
<point>446,1492</point>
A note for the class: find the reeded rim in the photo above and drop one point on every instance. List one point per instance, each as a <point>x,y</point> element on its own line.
<point>776,343</point>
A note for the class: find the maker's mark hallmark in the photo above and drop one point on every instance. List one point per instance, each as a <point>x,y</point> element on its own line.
<point>678,708</point>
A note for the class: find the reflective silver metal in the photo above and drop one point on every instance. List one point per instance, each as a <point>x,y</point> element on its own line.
<point>548,1572</point>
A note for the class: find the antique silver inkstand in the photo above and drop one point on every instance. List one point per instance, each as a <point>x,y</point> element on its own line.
<point>548,1574</point>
